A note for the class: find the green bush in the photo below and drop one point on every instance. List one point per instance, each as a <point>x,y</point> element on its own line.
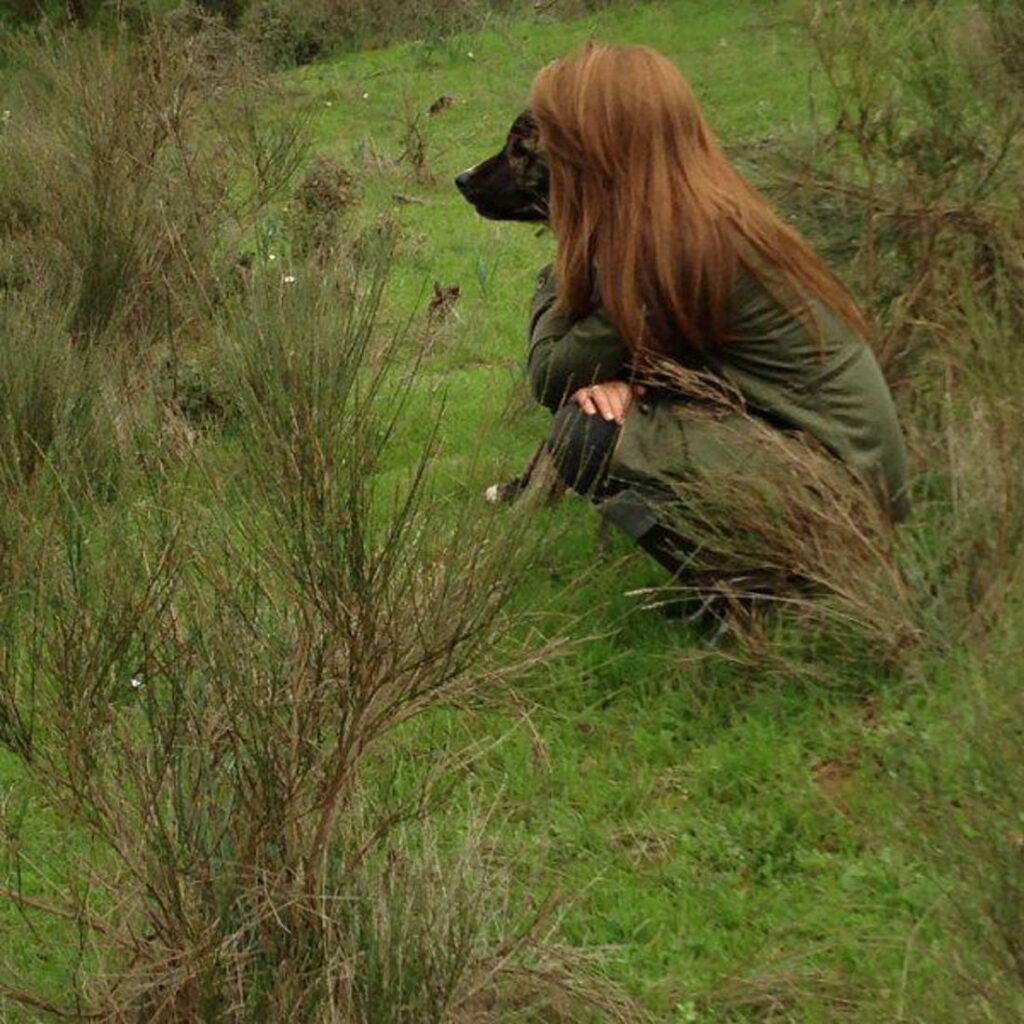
<point>286,33</point>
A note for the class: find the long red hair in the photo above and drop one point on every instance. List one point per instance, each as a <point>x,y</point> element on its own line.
<point>646,207</point>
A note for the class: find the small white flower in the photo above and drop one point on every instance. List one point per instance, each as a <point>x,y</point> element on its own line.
<point>366,95</point>
<point>272,256</point>
<point>470,55</point>
<point>289,279</point>
<point>136,682</point>
<point>330,103</point>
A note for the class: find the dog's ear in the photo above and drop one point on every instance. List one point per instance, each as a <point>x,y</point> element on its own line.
<point>525,127</point>
<point>524,137</point>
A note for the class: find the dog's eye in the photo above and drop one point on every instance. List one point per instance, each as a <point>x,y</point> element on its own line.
<point>518,149</point>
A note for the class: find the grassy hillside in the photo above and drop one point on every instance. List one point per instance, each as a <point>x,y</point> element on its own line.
<point>737,842</point>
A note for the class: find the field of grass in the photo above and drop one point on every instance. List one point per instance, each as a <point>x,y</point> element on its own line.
<point>706,824</point>
<point>676,806</point>
<point>737,844</point>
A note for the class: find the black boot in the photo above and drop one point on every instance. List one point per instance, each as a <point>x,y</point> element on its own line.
<point>670,552</point>
<point>665,548</point>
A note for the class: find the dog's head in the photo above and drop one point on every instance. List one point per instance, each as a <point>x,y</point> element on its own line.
<point>512,184</point>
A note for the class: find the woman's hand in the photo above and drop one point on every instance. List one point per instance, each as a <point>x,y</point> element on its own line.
<point>610,400</point>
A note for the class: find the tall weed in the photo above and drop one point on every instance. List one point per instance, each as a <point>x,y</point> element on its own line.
<point>130,170</point>
<point>204,681</point>
<point>910,186</point>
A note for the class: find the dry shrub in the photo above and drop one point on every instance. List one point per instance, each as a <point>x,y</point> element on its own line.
<point>229,10</point>
<point>917,176</point>
<point>911,188</point>
<point>290,32</point>
<point>129,169</point>
<point>415,143</point>
<point>316,213</point>
<point>36,365</point>
<point>326,188</point>
<point>203,684</point>
<point>286,33</point>
<point>915,184</point>
<point>432,21</point>
<point>78,412</point>
<point>967,551</point>
<point>802,534</point>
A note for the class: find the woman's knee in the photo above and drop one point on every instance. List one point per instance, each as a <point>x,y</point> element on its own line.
<point>581,446</point>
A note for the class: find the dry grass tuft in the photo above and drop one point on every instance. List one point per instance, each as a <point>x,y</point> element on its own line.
<point>204,680</point>
<point>802,533</point>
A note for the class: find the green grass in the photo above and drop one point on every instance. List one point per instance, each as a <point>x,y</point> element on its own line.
<point>707,823</point>
<point>670,800</point>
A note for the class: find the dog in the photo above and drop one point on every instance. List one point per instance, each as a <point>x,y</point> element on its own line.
<point>513,185</point>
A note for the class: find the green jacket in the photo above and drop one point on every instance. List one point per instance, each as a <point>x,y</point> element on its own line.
<point>829,386</point>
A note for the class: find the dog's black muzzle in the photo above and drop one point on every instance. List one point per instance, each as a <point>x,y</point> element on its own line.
<point>494,192</point>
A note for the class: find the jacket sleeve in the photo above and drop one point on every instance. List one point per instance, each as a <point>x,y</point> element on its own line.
<point>566,354</point>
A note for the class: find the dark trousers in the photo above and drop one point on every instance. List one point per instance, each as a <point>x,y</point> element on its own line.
<point>581,447</point>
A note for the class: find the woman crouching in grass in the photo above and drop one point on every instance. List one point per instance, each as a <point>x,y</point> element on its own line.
<point>698,355</point>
